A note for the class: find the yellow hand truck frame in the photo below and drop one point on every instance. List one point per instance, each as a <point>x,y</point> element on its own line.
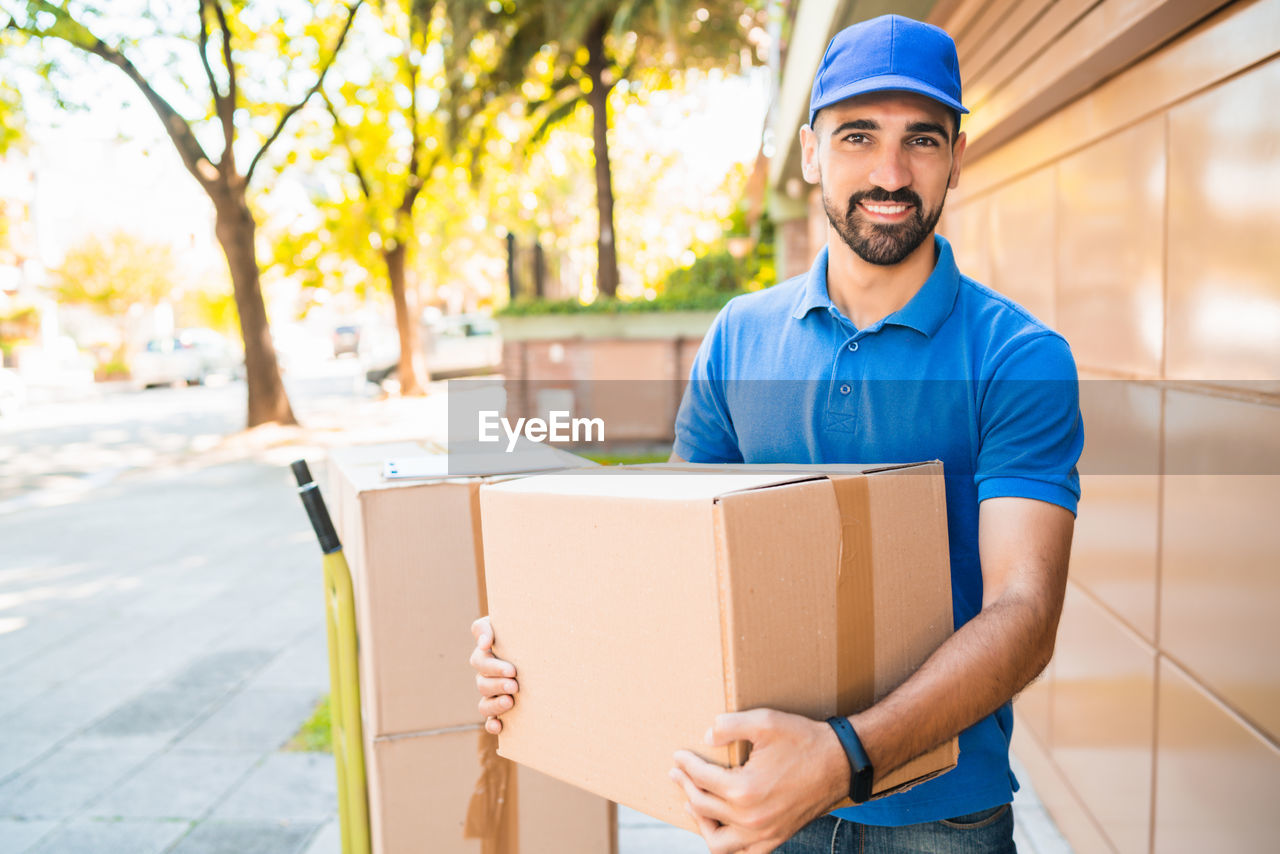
<point>344,673</point>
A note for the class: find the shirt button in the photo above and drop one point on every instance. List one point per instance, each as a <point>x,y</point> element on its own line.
<point>844,389</point>
<point>853,346</point>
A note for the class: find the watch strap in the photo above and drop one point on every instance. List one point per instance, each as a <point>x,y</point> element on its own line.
<point>860,770</point>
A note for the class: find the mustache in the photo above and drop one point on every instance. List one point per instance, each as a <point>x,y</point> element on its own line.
<point>901,196</point>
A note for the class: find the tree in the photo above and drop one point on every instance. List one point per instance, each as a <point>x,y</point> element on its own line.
<point>559,54</point>
<point>112,274</point>
<point>407,118</point>
<point>394,141</point>
<point>245,128</point>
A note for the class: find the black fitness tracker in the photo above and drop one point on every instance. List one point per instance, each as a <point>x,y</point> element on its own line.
<point>860,770</point>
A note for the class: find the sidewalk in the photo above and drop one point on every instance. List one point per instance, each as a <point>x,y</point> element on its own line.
<point>161,638</point>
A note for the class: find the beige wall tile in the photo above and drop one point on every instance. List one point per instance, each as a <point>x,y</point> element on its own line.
<point>967,228</point>
<point>1114,551</point>
<point>1032,706</point>
<point>1102,719</point>
<point>1224,251</point>
<point>1021,244</point>
<point>1219,586</point>
<point>1216,779</point>
<point>1110,298</point>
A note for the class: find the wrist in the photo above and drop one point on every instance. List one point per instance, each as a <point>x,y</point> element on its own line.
<point>834,765</point>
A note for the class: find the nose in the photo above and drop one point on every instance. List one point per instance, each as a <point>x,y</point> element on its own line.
<point>891,171</point>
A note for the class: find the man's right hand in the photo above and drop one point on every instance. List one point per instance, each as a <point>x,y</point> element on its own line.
<point>495,678</point>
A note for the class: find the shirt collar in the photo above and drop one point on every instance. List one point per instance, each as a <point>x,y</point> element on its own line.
<point>924,312</point>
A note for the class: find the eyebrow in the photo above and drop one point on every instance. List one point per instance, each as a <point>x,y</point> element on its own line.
<point>871,124</point>
<point>927,127</point>
<point>856,124</point>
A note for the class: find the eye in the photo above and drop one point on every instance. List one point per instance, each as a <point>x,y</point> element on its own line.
<point>925,142</point>
<point>855,138</point>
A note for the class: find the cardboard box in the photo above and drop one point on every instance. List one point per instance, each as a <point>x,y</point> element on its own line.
<point>413,547</point>
<point>637,606</point>
<point>422,800</point>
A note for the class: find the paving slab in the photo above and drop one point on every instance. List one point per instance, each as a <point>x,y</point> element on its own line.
<point>305,664</point>
<point>17,834</point>
<point>246,837</point>
<point>70,706</point>
<point>19,748</point>
<point>177,784</point>
<point>328,840</point>
<point>295,786</point>
<point>97,836</point>
<point>67,780</point>
<point>254,719</point>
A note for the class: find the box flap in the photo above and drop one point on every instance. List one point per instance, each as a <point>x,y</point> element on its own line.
<point>640,484</point>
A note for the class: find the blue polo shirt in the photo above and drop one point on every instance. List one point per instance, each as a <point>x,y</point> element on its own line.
<point>960,374</point>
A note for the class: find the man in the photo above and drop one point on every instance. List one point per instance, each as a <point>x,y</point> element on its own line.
<point>883,352</point>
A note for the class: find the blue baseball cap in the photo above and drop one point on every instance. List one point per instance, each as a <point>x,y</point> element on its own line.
<point>888,53</point>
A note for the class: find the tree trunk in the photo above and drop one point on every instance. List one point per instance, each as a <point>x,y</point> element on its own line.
<point>598,99</point>
<point>412,363</point>
<point>235,231</point>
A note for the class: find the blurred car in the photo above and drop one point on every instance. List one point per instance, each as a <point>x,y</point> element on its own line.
<point>346,341</point>
<point>455,345</point>
<point>13,392</point>
<point>191,356</point>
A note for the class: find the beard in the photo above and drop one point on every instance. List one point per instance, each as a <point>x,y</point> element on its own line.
<point>883,244</point>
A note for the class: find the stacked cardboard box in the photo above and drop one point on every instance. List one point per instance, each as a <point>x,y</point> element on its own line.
<point>637,606</point>
<point>435,782</point>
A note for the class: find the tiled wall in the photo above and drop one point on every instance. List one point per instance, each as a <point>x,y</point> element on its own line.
<point>1142,220</point>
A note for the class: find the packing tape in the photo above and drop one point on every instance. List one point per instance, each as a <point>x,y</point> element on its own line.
<point>491,813</point>
<point>855,600</point>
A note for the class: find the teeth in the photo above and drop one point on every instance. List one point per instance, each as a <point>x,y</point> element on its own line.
<point>885,209</point>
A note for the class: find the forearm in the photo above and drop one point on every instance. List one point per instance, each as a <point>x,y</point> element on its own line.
<point>973,673</point>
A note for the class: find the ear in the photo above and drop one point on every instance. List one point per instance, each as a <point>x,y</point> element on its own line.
<point>809,156</point>
<point>957,155</point>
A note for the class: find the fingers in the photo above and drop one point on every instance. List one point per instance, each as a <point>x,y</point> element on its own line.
<point>491,687</point>
<point>704,804</point>
<point>705,775</point>
<point>494,706</point>
<point>487,664</point>
<point>739,726</point>
<point>495,678</point>
<point>482,631</point>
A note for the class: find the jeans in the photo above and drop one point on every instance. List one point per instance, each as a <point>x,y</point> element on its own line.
<point>989,831</point>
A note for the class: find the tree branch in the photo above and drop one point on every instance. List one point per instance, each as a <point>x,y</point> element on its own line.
<point>204,60</point>
<point>415,146</point>
<point>288,114</point>
<point>227,111</point>
<point>71,31</point>
<point>345,138</point>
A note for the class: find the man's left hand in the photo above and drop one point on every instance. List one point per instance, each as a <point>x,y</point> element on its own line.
<point>796,771</point>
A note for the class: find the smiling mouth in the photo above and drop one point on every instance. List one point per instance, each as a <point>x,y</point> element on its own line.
<point>884,209</point>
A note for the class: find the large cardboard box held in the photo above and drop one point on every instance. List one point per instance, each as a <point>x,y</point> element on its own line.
<point>637,606</point>
<point>449,793</point>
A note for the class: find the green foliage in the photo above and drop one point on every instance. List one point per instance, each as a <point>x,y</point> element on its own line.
<point>214,308</point>
<point>112,273</point>
<point>18,326</point>
<point>713,279</point>
<point>627,459</point>
<point>12,122</point>
<point>316,734</point>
